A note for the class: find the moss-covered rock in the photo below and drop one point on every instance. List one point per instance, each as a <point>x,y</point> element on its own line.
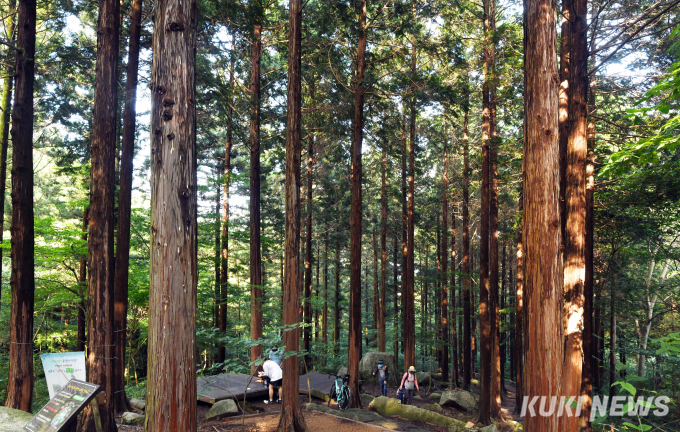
<point>458,399</point>
<point>139,404</point>
<point>12,420</point>
<point>321,408</point>
<point>223,408</point>
<point>424,378</point>
<point>435,396</point>
<point>433,407</point>
<point>318,394</point>
<point>389,406</point>
<point>366,399</point>
<point>130,418</point>
<point>359,415</point>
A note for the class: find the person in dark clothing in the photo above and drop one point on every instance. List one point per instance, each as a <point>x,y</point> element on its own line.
<point>383,375</point>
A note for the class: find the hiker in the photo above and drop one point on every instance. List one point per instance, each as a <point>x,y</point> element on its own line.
<point>409,383</point>
<point>275,355</point>
<point>383,375</point>
<point>272,371</point>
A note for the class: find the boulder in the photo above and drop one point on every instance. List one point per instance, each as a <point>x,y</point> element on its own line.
<point>366,399</point>
<point>222,409</point>
<point>435,396</point>
<point>139,404</point>
<point>247,408</point>
<point>424,378</point>
<point>342,370</point>
<point>12,420</point>
<point>417,397</point>
<point>130,418</point>
<point>433,407</point>
<point>392,407</point>
<point>318,394</point>
<point>369,362</point>
<point>458,399</point>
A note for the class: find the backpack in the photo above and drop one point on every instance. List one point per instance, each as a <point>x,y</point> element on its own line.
<point>382,372</point>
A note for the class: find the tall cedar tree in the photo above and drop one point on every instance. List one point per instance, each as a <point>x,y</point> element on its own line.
<point>120,401</point>
<point>255,253</point>
<point>291,416</point>
<point>100,339</point>
<point>454,312</point>
<point>5,107</point>
<point>467,335</point>
<point>564,95</point>
<point>20,380</point>
<point>519,320</point>
<point>383,247</point>
<point>307,309</point>
<point>543,276</point>
<point>404,236</point>
<point>224,262</point>
<point>484,314</point>
<point>494,312</point>
<point>409,302</point>
<point>355,215</point>
<point>575,204</point>
<point>82,285</point>
<point>444,264</point>
<point>173,266</point>
<point>587,378</point>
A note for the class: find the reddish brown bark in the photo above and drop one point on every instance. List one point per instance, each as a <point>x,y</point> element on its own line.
<point>543,275</point>
<point>171,386</point>
<point>519,315</point>
<point>404,232</point>
<point>291,416</point>
<point>120,402</point>
<point>395,310</point>
<point>255,252</point>
<point>355,215</point>
<point>575,207</point>
<point>22,280</point>
<point>565,91</point>
<point>494,311</point>
<point>454,310</point>
<point>101,340</point>
<point>324,316</point>
<point>467,335</point>
<point>587,378</point>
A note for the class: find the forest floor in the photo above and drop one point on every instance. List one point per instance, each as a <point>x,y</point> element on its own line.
<point>268,417</point>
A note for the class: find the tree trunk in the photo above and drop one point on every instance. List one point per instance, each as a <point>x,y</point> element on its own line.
<point>324,316</point>
<point>173,265</point>
<point>519,314</point>
<point>445,265</point>
<point>541,219</point>
<point>5,119</point>
<point>409,301</point>
<point>383,249</point>
<point>494,312</point>
<point>22,280</point>
<point>467,335</point>
<point>503,305</point>
<point>575,204</point>
<point>355,215</point>
<point>122,265</point>
<point>306,335</point>
<point>588,347</point>
<point>486,332</point>
<point>82,286</point>
<point>218,254</point>
<point>291,419</point>
<point>454,310</point>
<point>564,95</point>
<point>404,229</point>
<point>101,340</point>
<point>376,294</point>
<point>612,342</point>
<point>224,262</point>
<point>336,303</point>
<point>395,312</point>
<point>255,249</point>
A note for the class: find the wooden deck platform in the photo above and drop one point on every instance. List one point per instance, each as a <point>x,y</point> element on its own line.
<point>321,382</point>
<point>229,386</point>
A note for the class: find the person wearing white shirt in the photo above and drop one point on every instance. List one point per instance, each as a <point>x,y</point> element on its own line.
<point>272,370</point>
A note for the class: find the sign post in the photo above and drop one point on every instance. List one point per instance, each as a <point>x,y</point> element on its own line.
<point>62,410</point>
<point>60,368</point>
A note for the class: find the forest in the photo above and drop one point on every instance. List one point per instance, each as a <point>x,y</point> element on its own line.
<point>485,190</point>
